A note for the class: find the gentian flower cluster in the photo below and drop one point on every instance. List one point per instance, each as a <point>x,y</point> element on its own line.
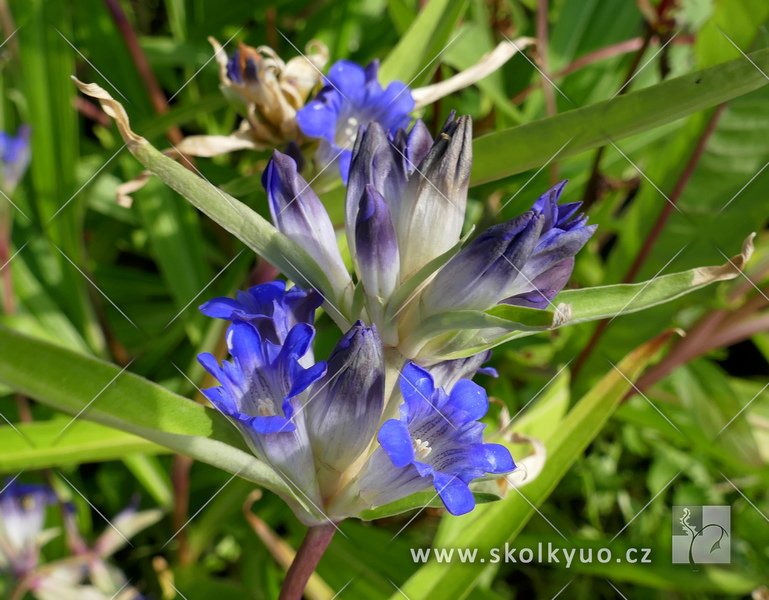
<point>404,213</point>
<point>15,156</point>
<point>319,426</point>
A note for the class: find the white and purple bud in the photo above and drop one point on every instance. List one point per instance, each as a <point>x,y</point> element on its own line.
<point>376,250</point>
<point>299,214</point>
<point>345,406</point>
<point>22,517</point>
<point>432,209</point>
<point>525,261</point>
<point>480,275</point>
<point>550,265</point>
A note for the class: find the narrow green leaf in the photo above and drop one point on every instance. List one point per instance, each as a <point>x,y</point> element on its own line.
<point>524,147</point>
<point>591,304</point>
<point>237,218</point>
<point>36,445</point>
<point>150,473</point>
<point>418,501</point>
<point>97,391</point>
<point>414,55</point>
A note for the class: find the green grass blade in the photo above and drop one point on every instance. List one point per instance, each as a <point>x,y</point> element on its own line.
<point>524,147</point>
<point>97,391</point>
<point>413,58</point>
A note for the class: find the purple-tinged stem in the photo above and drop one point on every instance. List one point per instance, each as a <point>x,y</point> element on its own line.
<point>307,558</point>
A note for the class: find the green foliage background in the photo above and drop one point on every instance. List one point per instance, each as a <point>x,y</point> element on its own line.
<point>123,285</point>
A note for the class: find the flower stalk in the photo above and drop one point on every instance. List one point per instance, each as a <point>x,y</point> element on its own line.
<point>307,558</point>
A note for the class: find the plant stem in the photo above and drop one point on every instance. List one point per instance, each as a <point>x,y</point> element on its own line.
<point>307,558</point>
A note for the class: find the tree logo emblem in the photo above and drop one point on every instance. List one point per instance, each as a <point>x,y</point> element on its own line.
<point>701,535</point>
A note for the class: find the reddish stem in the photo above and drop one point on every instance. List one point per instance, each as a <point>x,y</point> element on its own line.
<point>307,558</point>
<point>667,208</point>
<point>157,97</point>
<point>180,477</point>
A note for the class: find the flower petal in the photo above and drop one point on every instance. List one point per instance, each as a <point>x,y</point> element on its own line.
<point>396,442</point>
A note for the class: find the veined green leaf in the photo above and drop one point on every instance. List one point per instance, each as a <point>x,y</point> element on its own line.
<point>492,526</point>
<point>98,391</point>
<point>591,304</point>
<point>520,148</point>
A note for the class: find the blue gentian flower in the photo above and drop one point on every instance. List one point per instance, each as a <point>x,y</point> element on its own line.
<point>22,516</point>
<point>263,391</point>
<point>272,309</point>
<point>15,156</point>
<point>352,97</point>
<point>437,441</point>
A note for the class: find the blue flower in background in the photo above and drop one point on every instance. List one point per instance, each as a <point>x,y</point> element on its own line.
<point>269,307</point>
<point>22,516</point>
<point>437,441</point>
<point>353,97</point>
<point>15,156</point>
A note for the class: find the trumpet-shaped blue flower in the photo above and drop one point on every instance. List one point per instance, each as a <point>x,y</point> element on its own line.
<point>272,309</point>
<point>15,156</point>
<point>22,516</point>
<point>438,441</point>
<point>352,97</point>
<point>263,391</point>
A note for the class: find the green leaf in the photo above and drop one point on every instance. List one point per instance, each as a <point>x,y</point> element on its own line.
<point>36,445</point>
<point>413,58</point>
<point>492,526</point>
<point>524,147</point>
<point>602,302</point>
<point>510,318</point>
<point>97,391</point>
<point>237,218</point>
<point>591,304</point>
<point>418,501</point>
